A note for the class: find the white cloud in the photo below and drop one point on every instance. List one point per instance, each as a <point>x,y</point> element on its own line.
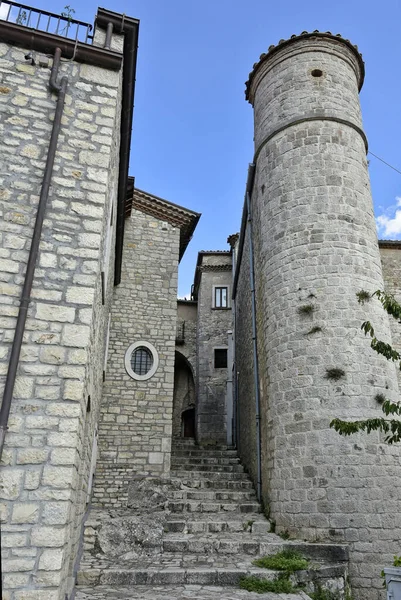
<point>389,223</point>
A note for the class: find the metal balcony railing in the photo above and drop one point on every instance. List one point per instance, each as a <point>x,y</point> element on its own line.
<point>41,20</point>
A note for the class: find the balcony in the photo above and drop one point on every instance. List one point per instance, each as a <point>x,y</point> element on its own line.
<point>63,25</point>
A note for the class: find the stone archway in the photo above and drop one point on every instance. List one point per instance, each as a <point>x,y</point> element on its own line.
<point>184,398</point>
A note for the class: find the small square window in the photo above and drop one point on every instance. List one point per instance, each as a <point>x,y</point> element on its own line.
<point>220,358</point>
<point>220,297</point>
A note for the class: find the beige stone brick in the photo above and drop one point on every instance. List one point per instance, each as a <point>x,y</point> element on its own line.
<point>76,335</point>
<point>53,537</point>
<point>30,151</point>
<point>10,483</point>
<point>32,480</point>
<point>73,390</point>
<point>77,357</point>
<point>52,312</point>
<point>80,295</point>
<point>19,100</point>
<point>31,456</point>
<point>59,477</point>
<point>98,75</point>
<point>56,513</point>
<point>62,409</point>
<point>41,422</point>
<point>18,564</point>
<point>25,513</point>
<point>47,259</point>
<point>23,387</point>
<point>63,456</point>
<point>52,355</point>
<point>51,560</point>
<point>16,580</point>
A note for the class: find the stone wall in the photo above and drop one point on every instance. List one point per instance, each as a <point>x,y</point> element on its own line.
<point>187,315</point>
<point>244,367</point>
<point>213,325</point>
<point>136,416</point>
<point>316,247</point>
<point>390,259</point>
<point>185,362</point>
<point>47,452</point>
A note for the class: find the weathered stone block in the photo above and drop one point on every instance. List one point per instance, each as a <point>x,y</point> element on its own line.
<point>25,513</point>
<point>48,536</point>
<point>52,312</point>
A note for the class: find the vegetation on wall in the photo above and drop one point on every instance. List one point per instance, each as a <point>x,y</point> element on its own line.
<point>390,426</point>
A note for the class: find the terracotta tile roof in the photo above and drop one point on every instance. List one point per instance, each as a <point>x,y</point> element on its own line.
<point>304,35</point>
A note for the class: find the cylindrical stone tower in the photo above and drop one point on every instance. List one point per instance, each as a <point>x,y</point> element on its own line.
<point>315,248</point>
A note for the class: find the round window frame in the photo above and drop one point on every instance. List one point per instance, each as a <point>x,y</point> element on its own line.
<point>129,354</point>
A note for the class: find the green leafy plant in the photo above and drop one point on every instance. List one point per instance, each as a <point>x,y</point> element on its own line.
<point>280,585</point>
<point>322,594</point>
<point>22,17</point>
<point>380,398</point>
<point>391,427</point>
<point>363,296</point>
<point>272,526</point>
<point>335,374</point>
<point>248,525</point>
<point>306,309</point>
<point>288,561</point>
<point>67,13</point>
<point>397,561</point>
<point>314,329</point>
<point>285,535</point>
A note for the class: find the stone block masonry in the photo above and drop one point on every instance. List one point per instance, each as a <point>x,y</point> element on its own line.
<point>213,325</point>
<point>47,456</point>
<point>315,248</point>
<point>136,417</point>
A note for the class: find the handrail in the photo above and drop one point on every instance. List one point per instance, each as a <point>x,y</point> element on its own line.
<point>58,24</point>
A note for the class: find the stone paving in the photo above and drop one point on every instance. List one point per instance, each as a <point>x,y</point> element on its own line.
<point>149,552</point>
<point>185,592</point>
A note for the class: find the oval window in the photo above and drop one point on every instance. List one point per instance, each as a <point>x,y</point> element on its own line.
<point>141,360</point>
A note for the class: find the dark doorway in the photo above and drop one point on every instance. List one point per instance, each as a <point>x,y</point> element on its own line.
<point>188,423</point>
<point>184,398</point>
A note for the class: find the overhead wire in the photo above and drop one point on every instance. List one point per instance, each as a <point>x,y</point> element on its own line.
<point>383,161</point>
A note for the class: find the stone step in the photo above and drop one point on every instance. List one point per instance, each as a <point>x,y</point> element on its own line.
<point>178,506</point>
<point>210,475</point>
<point>196,451</point>
<point>190,443</point>
<point>200,523</point>
<point>218,483</point>
<point>178,592</point>
<point>214,543</point>
<point>211,460</point>
<point>215,495</point>
<point>194,569</point>
<point>206,575</point>
<point>213,468</point>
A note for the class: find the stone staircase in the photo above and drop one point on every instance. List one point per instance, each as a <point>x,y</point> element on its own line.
<point>192,536</point>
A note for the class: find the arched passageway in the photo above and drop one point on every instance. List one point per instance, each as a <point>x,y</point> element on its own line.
<point>184,398</point>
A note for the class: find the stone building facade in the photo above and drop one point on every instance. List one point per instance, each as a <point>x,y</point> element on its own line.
<point>212,291</point>
<point>315,246</point>
<point>185,369</point>
<point>46,463</point>
<point>112,369</point>
<point>135,426</point>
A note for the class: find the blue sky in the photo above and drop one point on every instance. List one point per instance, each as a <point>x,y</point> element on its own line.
<point>193,129</point>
